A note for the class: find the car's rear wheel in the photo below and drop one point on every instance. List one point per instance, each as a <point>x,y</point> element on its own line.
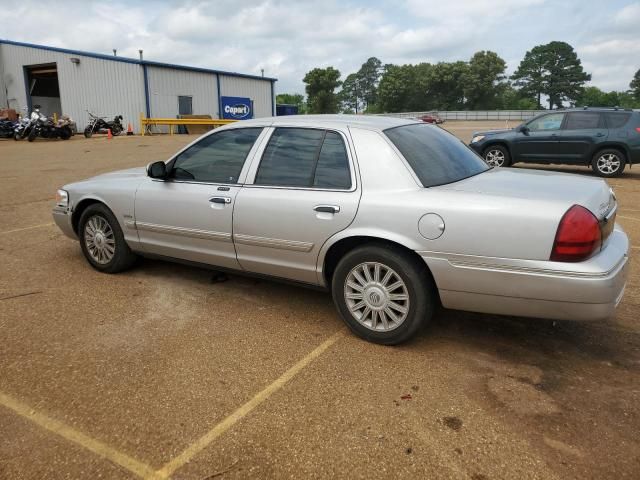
<point>102,240</point>
<point>383,294</point>
<point>608,163</point>
<point>497,156</point>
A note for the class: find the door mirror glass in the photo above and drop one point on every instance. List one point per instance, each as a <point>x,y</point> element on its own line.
<point>157,170</point>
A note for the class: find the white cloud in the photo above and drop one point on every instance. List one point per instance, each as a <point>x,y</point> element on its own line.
<point>289,38</point>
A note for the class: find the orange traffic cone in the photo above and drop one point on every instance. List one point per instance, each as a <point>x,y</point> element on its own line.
<point>109,134</point>
<point>130,130</point>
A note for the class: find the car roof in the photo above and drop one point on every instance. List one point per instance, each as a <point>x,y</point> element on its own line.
<point>594,109</point>
<point>373,122</point>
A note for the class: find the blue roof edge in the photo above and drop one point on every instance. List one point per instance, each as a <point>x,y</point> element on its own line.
<point>113,58</point>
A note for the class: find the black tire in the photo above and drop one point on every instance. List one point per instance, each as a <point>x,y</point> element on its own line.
<point>605,161</point>
<point>88,132</point>
<point>422,294</point>
<point>123,258</point>
<point>116,130</point>
<point>32,135</point>
<point>497,156</point>
<point>65,133</point>
<point>17,136</point>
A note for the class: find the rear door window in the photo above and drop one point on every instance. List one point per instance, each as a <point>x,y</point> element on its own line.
<point>583,121</point>
<point>616,120</point>
<point>304,157</point>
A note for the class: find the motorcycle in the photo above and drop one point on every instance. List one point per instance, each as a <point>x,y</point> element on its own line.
<point>100,125</point>
<point>45,127</point>
<point>24,125</point>
<point>6,128</point>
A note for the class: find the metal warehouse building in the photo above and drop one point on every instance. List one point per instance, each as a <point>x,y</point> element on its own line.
<point>71,82</point>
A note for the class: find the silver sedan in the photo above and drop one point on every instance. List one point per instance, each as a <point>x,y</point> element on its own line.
<point>394,217</point>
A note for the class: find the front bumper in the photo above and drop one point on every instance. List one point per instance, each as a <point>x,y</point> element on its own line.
<point>62,217</point>
<point>589,290</point>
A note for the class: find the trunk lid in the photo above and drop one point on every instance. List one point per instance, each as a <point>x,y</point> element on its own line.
<point>567,189</point>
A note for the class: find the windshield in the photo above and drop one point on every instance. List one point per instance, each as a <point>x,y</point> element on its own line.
<point>436,156</point>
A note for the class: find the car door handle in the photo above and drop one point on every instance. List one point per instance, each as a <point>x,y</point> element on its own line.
<point>327,208</point>
<point>224,200</point>
<point>600,134</point>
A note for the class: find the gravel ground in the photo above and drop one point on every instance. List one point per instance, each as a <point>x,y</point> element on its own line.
<point>161,369</point>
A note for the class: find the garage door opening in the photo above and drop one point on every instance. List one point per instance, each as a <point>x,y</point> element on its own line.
<point>43,88</point>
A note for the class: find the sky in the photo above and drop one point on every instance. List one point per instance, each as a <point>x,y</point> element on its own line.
<point>289,38</point>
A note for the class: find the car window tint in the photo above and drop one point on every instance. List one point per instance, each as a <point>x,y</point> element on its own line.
<point>436,156</point>
<point>217,158</point>
<point>333,164</point>
<point>546,122</point>
<point>616,120</point>
<point>290,157</point>
<point>582,121</point>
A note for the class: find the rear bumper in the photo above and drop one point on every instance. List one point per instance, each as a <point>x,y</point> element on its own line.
<point>62,217</point>
<point>589,290</point>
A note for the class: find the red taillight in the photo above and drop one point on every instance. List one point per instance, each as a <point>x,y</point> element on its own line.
<point>638,129</point>
<point>578,236</point>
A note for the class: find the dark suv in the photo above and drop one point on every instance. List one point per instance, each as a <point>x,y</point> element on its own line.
<point>604,138</point>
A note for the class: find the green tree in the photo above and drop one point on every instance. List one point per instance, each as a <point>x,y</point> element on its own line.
<point>509,98</point>
<point>368,78</point>
<point>554,70</point>
<point>635,85</point>
<point>444,86</point>
<point>292,99</point>
<point>321,84</point>
<point>483,80</point>
<point>397,88</point>
<point>351,96</point>
<point>594,97</point>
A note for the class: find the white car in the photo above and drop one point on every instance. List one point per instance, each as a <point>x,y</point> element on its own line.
<point>394,217</point>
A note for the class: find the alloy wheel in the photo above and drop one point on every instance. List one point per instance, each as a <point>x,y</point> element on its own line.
<point>608,163</point>
<point>99,239</point>
<point>376,296</point>
<point>494,158</point>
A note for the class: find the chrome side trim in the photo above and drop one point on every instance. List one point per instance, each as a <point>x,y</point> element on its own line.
<point>130,224</point>
<point>292,245</point>
<point>502,265</point>
<point>184,232</point>
<point>533,270</point>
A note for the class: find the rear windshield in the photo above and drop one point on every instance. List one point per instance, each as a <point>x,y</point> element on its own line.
<point>436,156</point>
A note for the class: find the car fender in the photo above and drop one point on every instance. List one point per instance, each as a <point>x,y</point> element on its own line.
<point>374,233</point>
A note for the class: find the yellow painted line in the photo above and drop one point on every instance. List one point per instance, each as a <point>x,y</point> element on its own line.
<point>27,228</point>
<point>244,410</point>
<point>79,438</point>
<point>629,218</point>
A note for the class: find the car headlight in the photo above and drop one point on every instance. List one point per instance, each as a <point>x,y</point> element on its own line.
<point>62,198</point>
<point>477,138</point>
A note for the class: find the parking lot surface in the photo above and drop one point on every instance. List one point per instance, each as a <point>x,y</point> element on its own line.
<point>161,373</point>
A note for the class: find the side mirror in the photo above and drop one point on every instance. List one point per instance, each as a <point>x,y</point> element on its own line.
<point>523,129</point>
<point>157,170</point>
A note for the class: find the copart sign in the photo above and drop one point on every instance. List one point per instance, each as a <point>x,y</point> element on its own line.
<point>236,108</point>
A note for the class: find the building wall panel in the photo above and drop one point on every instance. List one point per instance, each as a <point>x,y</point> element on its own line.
<point>258,90</point>
<point>104,87</point>
<point>166,84</point>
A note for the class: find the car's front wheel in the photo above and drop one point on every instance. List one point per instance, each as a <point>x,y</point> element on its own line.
<point>102,240</point>
<point>608,163</point>
<point>383,294</point>
<point>497,156</point>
